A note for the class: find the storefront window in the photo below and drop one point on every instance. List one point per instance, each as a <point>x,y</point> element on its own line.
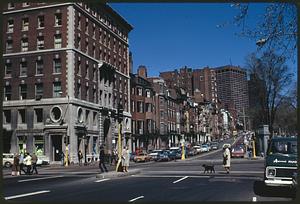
<point>22,144</point>
<point>39,145</point>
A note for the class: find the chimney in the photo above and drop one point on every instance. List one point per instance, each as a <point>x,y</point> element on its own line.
<point>142,71</point>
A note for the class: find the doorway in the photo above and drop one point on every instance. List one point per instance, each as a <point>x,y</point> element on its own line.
<point>56,147</point>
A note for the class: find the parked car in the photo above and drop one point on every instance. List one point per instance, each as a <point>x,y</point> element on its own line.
<point>163,156</point>
<point>174,154</point>
<point>154,154</point>
<point>214,145</point>
<point>192,151</point>
<point>43,160</point>
<point>142,157</point>
<point>238,151</point>
<point>197,148</point>
<point>132,155</point>
<point>8,159</point>
<point>204,148</point>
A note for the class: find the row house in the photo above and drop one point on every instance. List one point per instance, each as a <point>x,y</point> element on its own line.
<point>66,70</point>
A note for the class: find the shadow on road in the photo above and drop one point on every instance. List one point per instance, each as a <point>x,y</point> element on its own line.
<point>262,190</point>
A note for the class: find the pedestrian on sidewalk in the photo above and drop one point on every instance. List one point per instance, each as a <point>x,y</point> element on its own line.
<point>62,158</point>
<point>34,161</point>
<point>21,162</point>
<point>16,166</point>
<point>226,159</point>
<point>80,156</point>
<point>125,159</point>
<point>102,160</point>
<point>28,163</point>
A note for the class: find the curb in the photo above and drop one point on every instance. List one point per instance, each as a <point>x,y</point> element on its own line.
<point>118,174</point>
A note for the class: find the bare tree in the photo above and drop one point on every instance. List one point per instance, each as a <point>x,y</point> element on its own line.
<point>276,28</point>
<point>272,83</point>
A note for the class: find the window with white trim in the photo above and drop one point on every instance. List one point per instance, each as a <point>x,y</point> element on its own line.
<point>10,25</point>
<point>39,89</point>
<point>25,24</point>
<point>58,19</point>
<point>40,43</point>
<point>11,5</point>
<point>39,67</point>
<point>23,91</point>
<point>41,22</point>
<point>57,65</point>
<point>57,89</point>
<point>24,44</point>
<point>9,46</point>
<point>23,68</point>
<point>57,41</point>
<point>7,92</point>
<point>8,69</point>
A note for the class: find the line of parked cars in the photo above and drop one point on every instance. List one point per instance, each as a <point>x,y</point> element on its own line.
<point>8,160</point>
<point>173,153</point>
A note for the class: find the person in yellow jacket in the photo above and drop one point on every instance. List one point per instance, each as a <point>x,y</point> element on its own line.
<point>28,163</point>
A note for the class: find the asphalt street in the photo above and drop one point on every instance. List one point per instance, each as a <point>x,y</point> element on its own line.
<point>158,181</point>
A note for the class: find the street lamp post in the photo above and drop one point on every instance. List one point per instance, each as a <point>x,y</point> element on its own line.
<point>85,146</point>
<point>66,156</point>
<point>120,118</point>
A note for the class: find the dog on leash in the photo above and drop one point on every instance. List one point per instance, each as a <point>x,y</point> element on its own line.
<point>208,168</point>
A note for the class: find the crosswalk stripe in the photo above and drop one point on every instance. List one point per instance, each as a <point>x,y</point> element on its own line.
<point>26,194</point>
<point>35,179</point>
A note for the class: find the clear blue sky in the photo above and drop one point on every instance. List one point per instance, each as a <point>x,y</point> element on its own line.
<point>168,36</point>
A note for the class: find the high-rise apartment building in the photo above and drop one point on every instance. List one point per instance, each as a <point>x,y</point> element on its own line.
<point>66,71</point>
<point>233,89</point>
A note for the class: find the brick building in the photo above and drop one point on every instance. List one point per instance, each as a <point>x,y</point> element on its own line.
<point>66,70</point>
<point>143,109</point>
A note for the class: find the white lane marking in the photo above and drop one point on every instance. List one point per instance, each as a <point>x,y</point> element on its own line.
<point>134,199</point>
<point>167,176</point>
<point>35,179</point>
<point>26,194</point>
<point>180,179</point>
<point>102,180</point>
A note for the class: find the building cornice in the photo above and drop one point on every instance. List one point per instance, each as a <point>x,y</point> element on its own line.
<point>36,8</point>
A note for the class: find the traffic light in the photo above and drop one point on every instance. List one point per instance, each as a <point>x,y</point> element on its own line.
<point>120,113</point>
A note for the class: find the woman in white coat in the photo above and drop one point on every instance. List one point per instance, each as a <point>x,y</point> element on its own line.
<point>226,159</point>
<point>125,159</point>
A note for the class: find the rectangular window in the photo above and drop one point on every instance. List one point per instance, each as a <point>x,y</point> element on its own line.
<point>57,41</point>
<point>38,115</point>
<point>9,46</point>
<point>79,42</point>
<point>57,66</point>
<point>41,22</point>
<point>87,115</point>
<point>23,69</point>
<point>57,89</point>
<point>86,71</point>
<point>79,68</point>
<point>39,90</point>
<point>10,26</point>
<point>39,67</point>
<point>22,116</point>
<point>58,18</point>
<point>79,22</point>
<point>7,92</point>
<point>86,26</point>
<point>148,94</point>
<point>24,44</point>
<point>87,95</point>
<point>40,42</point>
<point>94,74</point>
<point>25,24</point>
<point>78,91</point>
<point>94,118</point>
<point>7,116</point>
<point>23,91</point>
<point>94,96</point>
<point>140,92</point>
<point>8,69</point>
